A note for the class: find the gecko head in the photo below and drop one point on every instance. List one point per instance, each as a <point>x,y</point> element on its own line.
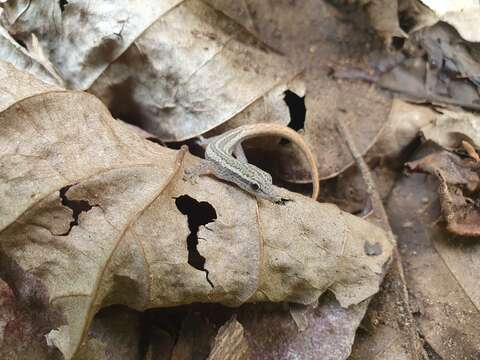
<point>259,183</point>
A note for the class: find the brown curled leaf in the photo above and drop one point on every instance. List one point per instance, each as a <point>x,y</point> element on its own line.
<point>458,189</point>
<point>97,216</point>
<point>455,170</point>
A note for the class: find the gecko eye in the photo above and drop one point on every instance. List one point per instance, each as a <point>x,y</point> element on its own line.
<point>254,186</point>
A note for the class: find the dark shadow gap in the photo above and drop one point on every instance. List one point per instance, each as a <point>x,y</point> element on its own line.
<point>297,110</point>
<point>198,213</point>
<point>62,4</point>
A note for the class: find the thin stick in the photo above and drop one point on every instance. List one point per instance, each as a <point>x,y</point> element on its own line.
<point>379,211</point>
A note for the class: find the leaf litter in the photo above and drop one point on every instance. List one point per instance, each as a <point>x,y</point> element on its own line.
<point>81,179</point>
<point>106,227</point>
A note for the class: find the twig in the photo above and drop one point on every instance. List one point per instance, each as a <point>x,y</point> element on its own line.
<point>381,214</point>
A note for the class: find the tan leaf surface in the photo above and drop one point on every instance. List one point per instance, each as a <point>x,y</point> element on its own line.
<point>99,216</point>
<point>179,68</point>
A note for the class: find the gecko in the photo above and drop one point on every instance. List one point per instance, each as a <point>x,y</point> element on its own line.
<point>220,162</point>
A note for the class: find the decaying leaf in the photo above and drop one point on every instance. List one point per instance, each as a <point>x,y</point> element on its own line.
<point>98,216</point>
<point>230,343</point>
<point>329,332</point>
<point>441,270</point>
<point>461,14</point>
<point>459,182</point>
<point>404,123</point>
<point>440,69</point>
<point>159,64</point>
<point>450,128</point>
<point>451,167</point>
<point>159,67</point>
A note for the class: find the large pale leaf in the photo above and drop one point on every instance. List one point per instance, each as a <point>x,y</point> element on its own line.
<point>99,216</point>
<point>179,68</point>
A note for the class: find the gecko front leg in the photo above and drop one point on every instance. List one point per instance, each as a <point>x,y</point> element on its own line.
<point>204,167</point>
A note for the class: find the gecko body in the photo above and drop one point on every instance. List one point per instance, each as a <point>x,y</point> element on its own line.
<point>219,160</point>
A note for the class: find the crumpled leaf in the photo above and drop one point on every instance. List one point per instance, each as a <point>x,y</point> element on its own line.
<point>458,189</point>
<point>447,75</point>
<point>329,333</point>
<point>461,14</point>
<point>160,64</point>
<point>230,343</point>
<point>441,271</point>
<point>404,123</point>
<point>446,50</point>
<point>105,30</point>
<point>99,216</point>
<point>452,168</point>
<point>450,128</point>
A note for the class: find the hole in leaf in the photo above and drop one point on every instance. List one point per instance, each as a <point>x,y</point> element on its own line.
<point>77,206</point>
<point>398,42</point>
<point>63,3</point>
<point>198,213</point>
<point>297,110</point>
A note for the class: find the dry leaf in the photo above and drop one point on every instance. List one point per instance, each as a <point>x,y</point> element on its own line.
<point>193,339</point>
<point>404,123</point>
<point>164,76</point>
<point>329,334</point>
<point>459,181</point>
<point>230,343</point>
<point>441,269</point>
<point>178,68</point>
<point>461,14</point>
<point>99,216</point>
<point>453,169</point>
<point>450,128</point>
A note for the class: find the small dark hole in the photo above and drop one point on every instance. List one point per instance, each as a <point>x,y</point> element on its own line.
<point>198,213</point>
<point>63,3</point>
<point>398,42</point>
<point>20,42</point>
<point>407,22</point>
<point>297,110</point>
